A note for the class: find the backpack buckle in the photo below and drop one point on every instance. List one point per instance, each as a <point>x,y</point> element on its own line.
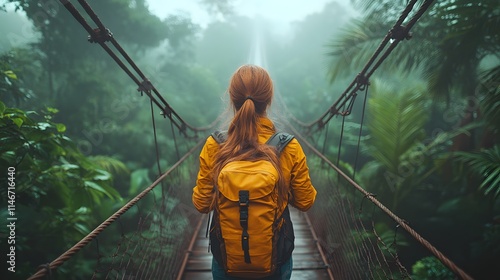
<point>244,202</point>
<point>244,198</point>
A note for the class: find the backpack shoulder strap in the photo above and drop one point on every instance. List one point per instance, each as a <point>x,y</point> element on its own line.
<point>279,140</point>
<point>219,136</point>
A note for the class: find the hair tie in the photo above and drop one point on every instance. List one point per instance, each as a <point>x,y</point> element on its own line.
<point>249,97</point>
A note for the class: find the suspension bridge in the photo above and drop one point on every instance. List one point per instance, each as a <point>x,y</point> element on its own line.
<point>159,235</point>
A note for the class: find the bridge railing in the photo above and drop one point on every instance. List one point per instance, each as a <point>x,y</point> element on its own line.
<point>357,233</point>
<point>145,239</point>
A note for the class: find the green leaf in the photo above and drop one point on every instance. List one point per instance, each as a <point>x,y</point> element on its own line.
<point>10,74</point>
<point>83,211</point>
<point>95,186</point>
<point>112,165</point>
<point>102,176</point>
<point>18,122</point>
<point>44,125</point>
<point>2,108</point>
<point>485,163</point>
<point>81,228</point>
<point>492,182</point>
<point>9,157</point>
<point>60,127</point>
<point>52,110</point>
<point>69,166</point>
<point>138,179</point>
<point>96,191</point>
<point>396,124</point>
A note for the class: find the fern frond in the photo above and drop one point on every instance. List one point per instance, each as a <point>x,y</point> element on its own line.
<point>110,164</point>
<point>485,163</point>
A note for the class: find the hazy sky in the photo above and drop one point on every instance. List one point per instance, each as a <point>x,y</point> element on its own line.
<point>281,12</point>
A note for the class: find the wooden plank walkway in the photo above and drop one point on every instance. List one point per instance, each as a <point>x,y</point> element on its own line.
<point>307,260</point>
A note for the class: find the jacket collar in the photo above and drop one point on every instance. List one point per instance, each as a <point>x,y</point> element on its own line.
<point>265,125</point>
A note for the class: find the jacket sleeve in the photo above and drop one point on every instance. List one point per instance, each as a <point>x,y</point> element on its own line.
<point>203,191</point>
<point>303,193</point>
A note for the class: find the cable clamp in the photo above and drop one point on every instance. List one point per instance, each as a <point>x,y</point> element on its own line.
<point>333,111</point>
<point>400,33</point>
<point>367,196</point>
<point>99,36</point>
<point>321,124</point>
<point>145,86</point>
<point>362,81</point>
<point>166,112</point>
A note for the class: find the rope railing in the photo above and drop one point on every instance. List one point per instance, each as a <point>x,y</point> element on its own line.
<point>101,35</point>
<point>99,229</point>
<point>402,223</point>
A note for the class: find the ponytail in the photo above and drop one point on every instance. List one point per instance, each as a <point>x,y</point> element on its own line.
<point>243,128</point>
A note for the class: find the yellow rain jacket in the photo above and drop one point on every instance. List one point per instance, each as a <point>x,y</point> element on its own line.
<point>293,164</point>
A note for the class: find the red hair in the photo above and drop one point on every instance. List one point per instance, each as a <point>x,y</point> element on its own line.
<point>251,92</point>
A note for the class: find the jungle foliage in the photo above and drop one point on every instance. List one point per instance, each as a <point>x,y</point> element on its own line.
<point>79,134</point>
<point>434,147</point>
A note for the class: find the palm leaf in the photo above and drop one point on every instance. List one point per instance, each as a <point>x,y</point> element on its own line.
<point>491,103</point>
<point>361,38</point>
<point>383,10</point>
<point>353,49</point>
<point>448,42</point>
<point>485,163</point>
<point>112,165</point>
<point>395,123</point>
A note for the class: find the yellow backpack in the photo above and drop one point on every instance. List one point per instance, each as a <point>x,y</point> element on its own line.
<point>248,237</point>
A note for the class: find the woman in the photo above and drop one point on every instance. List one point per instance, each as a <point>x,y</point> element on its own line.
<point>251,93</point>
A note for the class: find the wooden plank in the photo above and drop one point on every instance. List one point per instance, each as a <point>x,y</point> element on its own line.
<point>307,262</point>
